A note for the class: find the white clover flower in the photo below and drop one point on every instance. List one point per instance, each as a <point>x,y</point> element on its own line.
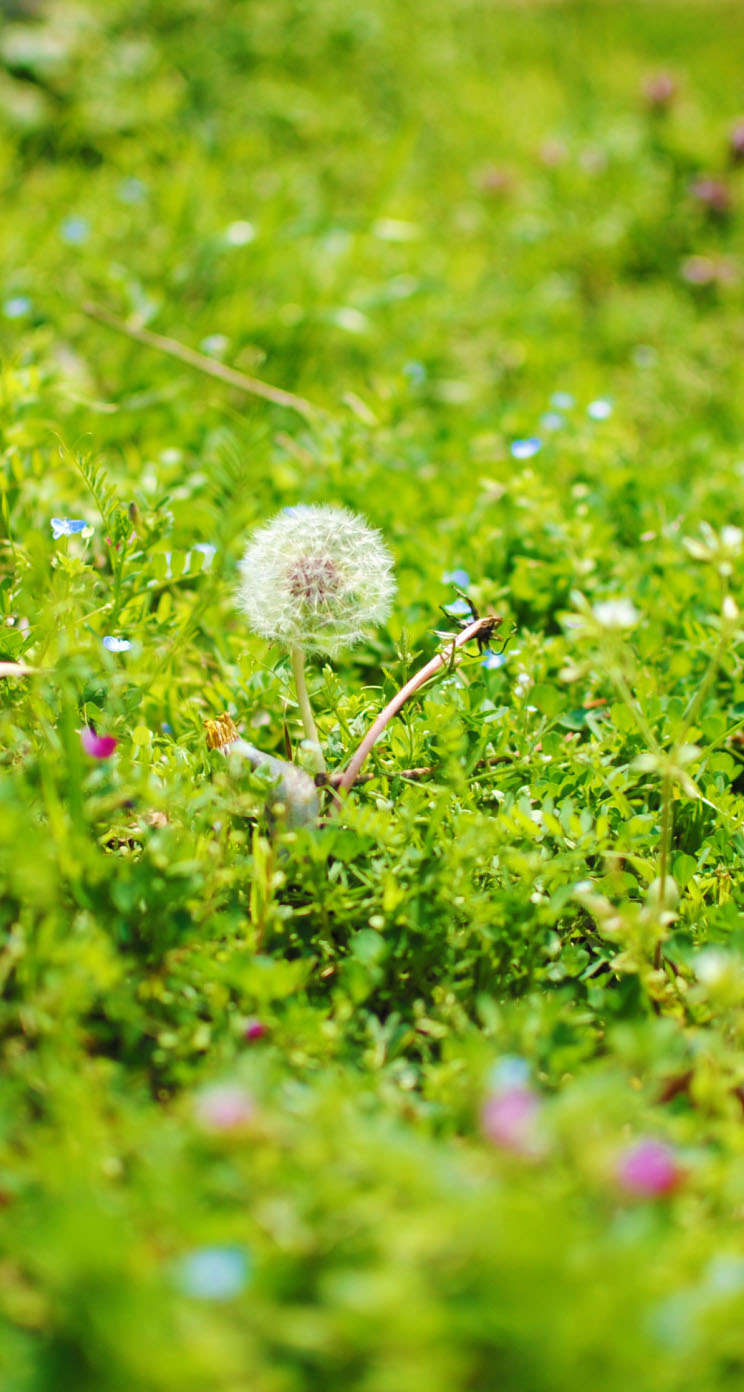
<point>315,578</point>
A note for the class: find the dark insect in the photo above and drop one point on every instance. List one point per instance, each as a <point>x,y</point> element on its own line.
<point>490,623</point>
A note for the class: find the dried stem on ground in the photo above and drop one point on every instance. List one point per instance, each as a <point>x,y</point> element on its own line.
<point>202,363</point>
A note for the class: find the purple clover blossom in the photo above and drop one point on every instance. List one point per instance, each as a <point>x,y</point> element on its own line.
<point>510,1117</point>
<point>114,644</point>
<point>97,746</point>
<point>525,449</point>
<point>67,526</point>
<point>649,1169</point>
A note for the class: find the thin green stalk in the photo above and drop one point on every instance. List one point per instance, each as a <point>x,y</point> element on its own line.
<point>664,850</point>
<point>306,712</point>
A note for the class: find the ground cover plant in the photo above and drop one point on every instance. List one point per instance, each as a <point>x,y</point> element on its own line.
<point>437,1084</point>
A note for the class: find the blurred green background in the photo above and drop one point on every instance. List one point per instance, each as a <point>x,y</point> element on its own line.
<point>450,226</point>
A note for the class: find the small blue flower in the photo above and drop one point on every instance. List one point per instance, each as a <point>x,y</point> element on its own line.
<point>132,191</point>
<point>208,552</point>
<point>215,344</point>
<point>415,372</point>
<point>456,577</point>
<point>524,449</point>
<point>457,607</point>
<point>67,526</point>
<point>552,421</point>
<point>563,401</point>
<point>296,509</point>
<point>113,644</point>
<point>599,410</point>
<point>493,660</point>
<point>511,1071</point>
<point>214,1273</point>
<point>75,230</point>
<point>17,307</point>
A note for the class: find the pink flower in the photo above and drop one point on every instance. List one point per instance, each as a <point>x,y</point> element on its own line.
<point>713,193</point>
<point>254,1029</point>
<point>736,142</point>
<point>649,1169</point>
<point>509,1119</point>
<point>224,1107</point>
<point>98,746</point>
<point>659,90</point>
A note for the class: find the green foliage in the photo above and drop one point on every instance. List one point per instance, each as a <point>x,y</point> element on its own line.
<point>449,226</point>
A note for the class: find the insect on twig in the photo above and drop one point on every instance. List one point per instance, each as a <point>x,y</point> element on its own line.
<point>489,624</point>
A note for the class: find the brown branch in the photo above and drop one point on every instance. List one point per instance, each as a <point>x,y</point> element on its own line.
<point>350,775</point>
<point>202,363</point>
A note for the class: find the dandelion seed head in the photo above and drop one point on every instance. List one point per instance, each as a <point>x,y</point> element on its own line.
<point>316,577</point>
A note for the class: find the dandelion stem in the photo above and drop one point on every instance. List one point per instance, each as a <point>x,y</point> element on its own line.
<point>418,680</point>
<point>303,700</point>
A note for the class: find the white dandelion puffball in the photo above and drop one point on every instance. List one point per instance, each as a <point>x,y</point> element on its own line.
<point>315,578</point>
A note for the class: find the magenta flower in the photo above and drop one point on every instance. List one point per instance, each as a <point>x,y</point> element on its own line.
<point>254,1029</point>
<point>224,1107</point>
<point>509,1119</point>
<point>649,1169</point>
<point>97,746</point>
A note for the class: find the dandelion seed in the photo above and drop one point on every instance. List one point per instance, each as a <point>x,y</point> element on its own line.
<point>525,449</point>
<point>316,577</point>
<point>214,1273</point>
<point>114,644</point>
<point>67,526</point>
<point>599,410</point>
<point>97,746</point>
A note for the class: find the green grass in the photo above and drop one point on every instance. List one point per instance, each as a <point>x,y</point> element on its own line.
<point>426,220</point>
